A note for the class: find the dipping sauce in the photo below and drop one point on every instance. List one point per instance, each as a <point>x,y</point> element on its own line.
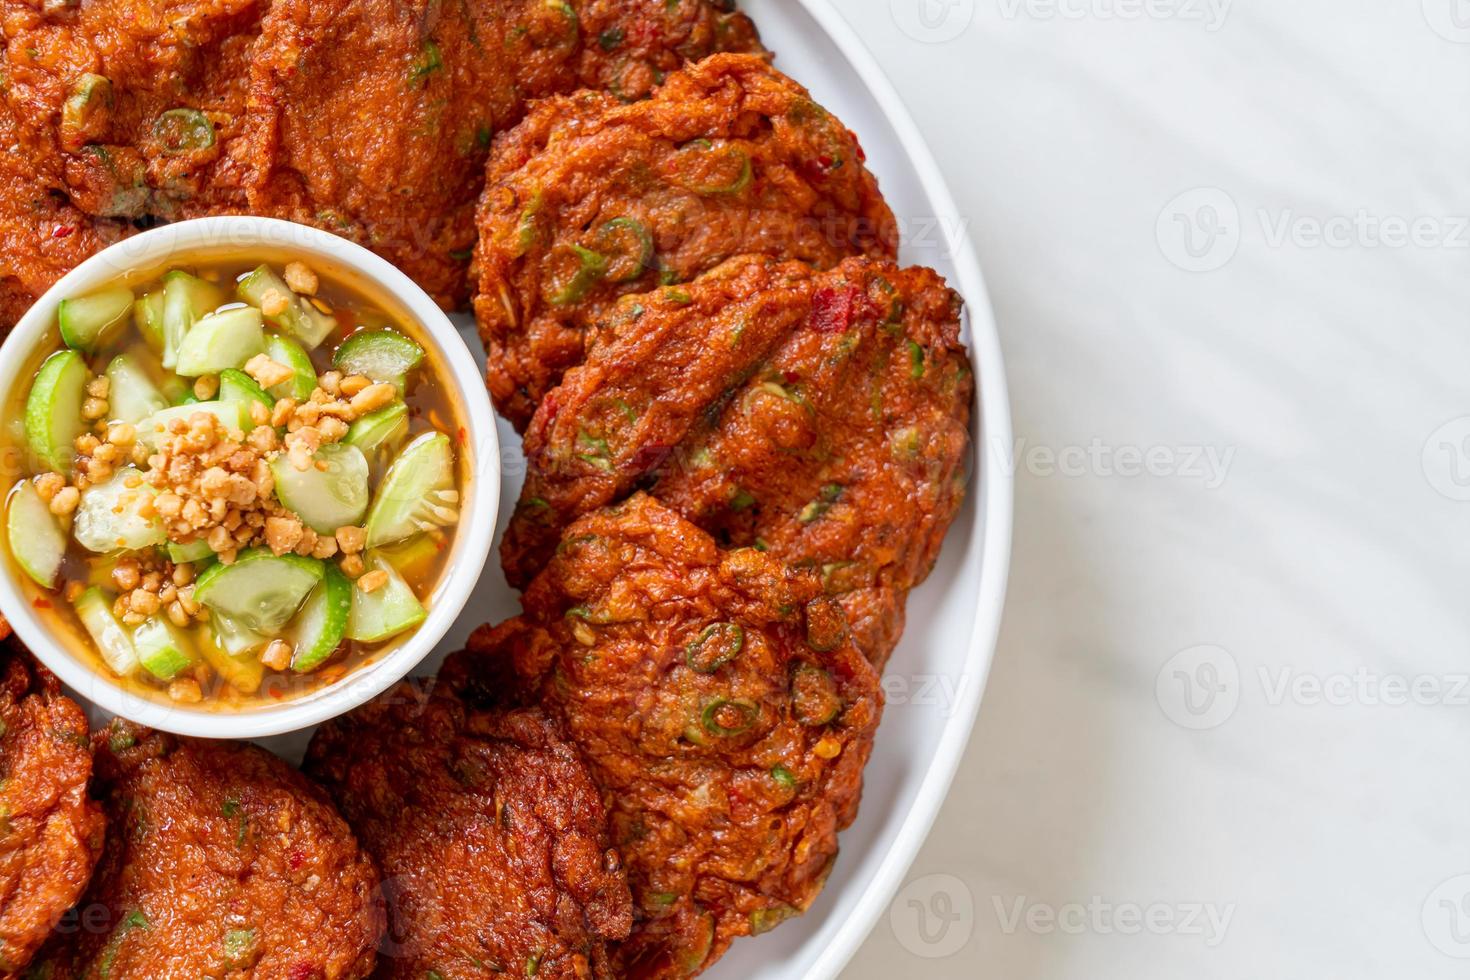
<point>238,481</point>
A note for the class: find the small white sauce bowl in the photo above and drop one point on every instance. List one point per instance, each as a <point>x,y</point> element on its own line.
<point>200,242</point>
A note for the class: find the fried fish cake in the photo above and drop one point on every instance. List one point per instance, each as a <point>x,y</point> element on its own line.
<point>489,832</point>
<point>821,416</point>
<point>137,105</point>
<point>373,118</point>
<point>720,708</point>
<point>589,200</point>
<point>52,831</point>
<point>42,236</point>
<point>221,860</point>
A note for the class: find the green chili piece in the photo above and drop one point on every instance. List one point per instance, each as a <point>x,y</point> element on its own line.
<point>429,61</point>
<point>629,245</point>
<point>716,646</point>
<point>728,717</point>
<point>573,287</point>
<point>184,131</point>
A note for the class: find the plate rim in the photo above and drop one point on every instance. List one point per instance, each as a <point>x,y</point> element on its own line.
<point>995,501</point>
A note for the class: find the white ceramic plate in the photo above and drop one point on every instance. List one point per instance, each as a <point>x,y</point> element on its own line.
<point>938,673</point>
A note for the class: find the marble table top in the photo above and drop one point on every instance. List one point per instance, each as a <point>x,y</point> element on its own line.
<point>1228,245</point>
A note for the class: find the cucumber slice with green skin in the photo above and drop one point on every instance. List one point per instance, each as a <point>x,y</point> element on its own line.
<point>36,539</point>
<point>386,611</point>
<point>99,571</point>
<point>300,319</point>
<point>148,319</point>
<point>260,591</point>
<point>114,644</point>
<point>88,322</point>
<point>54,410</point>
<point>383,355</point>
<point>382,430</point>
<point>186,300</point>
<point>237,386</point>
<point>221,340</point>
<point>325,499</point>
<point>322,625</point>
<point>193,551</point>
<point>111,515</point>
<point>284,350</point>
<point>163,650</point>
<point>240,668</point>
<point>132,395</point>
<point>231,415</point>
<point>417,493</point>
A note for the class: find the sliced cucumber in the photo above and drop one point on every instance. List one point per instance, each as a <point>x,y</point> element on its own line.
<point>322,625</point>
<point>88,322</point>
<point>383,355</point>
<point>261,591</point>
<point>163,649</point>
<point>115,517</point>
<point>415,557</point>
<point>54,410</point>
<point>284,350</point>
<point>197,550</point>
<point>417,493</point>
<point>186,300</point>
<point>36,539</point>
<point>386,611</point>
<point>237,386</point>
<point>232,416</point>
<point>114,644</point>
<point>148,318</point>
<point>300,319</point>
<point>379,431</point>
<point>232,637</point>
<point>132,394</point>
<point>221,340</point>
<point>329,498</point>
<point>241,669</point>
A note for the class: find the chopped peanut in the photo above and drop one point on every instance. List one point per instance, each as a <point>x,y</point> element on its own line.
<point>274,302</point>
<point>351,539</point>
<point>266,372</point>
<point>301,279</point>
<point>354,383</point>
<point>65,501</point>
<point>186,690</point>
<point>277,655</point>
<point>373,396</point>
<point>373,581</point>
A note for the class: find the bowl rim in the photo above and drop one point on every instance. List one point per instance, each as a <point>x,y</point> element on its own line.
<point>472,539</point>
<point>995,473</point>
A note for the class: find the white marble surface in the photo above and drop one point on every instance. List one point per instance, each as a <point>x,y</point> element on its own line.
<point>1292,536</point>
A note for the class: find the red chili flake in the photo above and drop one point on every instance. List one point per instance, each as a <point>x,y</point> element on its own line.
<point>297,859</point>
<point>862,154</point>
<point>832,309</point>
<point>464,437</point>
<point>41,602</point>
<point>791,377</point>
<point>277,694</point>
<point>302,970</point>
<point>64,231</point>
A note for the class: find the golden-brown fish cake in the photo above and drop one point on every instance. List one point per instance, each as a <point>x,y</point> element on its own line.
<point>720,707</point>
<point>51,830</point>
<point>589,200</point>
<point>488,829</point>
<point>822,416</point>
